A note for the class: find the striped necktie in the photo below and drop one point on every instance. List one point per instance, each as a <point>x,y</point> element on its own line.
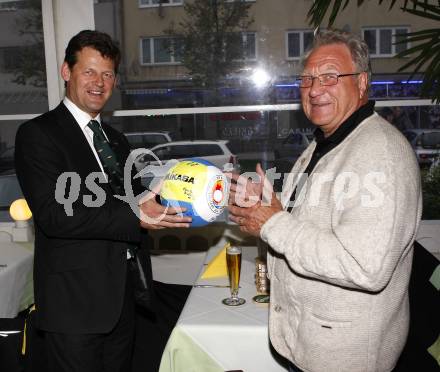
<point>108,158</point>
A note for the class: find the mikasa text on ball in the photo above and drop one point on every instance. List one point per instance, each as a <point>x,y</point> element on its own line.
<point>199,186</point>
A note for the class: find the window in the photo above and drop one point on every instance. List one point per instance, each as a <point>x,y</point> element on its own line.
<point>164,153</point>
<point>22,65</point>
<point>9,58</point>
<point>178,151</point>
<point>12,5</point>
<point>382,41</point>
<point>249,46</point>
<point>175,152</point>
<point>242,46</point>
<point>297,43</point>
<point>147,140</point>
<point>430,140</point>
<point>207,150</point>
<point>154,3</point>
<point>161,50</point>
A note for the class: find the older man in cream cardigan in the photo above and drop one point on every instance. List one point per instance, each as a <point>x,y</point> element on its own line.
<point>341,237</point>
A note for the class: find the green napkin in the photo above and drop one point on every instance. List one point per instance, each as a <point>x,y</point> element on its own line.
<point>183,354</point>
<point>435,278</point>
<point>434,350</point>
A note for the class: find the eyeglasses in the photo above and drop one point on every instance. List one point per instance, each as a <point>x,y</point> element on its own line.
<point>306,81</point>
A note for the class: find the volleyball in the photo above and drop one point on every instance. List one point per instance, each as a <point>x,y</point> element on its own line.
<point>199,186</point>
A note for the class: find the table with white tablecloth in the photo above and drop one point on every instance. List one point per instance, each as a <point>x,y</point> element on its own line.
<point>16,289</point>
<point>211,337</point>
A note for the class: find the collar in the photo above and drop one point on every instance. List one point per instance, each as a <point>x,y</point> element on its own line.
<point>347,126</point>
<point>81,117</point>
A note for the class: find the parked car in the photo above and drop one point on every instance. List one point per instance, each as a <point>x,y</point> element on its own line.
<point>426,144</point>
<point>216,152</point>
<point>7,159</point>
<point>9,191</point>
<point>147,139</point>
<point>293,145</point>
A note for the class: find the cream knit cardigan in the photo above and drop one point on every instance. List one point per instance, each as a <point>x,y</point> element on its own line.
<point>341,260</point>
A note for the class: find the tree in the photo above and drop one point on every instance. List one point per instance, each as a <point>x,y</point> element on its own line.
<point>211,38</point>
<point>31,67</point>
<point>427,50</point>
<point>431,193</point>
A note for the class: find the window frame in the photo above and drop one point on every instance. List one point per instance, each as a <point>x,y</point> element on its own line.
<point>377,30</point>
<point>152,62</point>
<point>244,35</point>
<point>151,5</point>
<point>301,33</point>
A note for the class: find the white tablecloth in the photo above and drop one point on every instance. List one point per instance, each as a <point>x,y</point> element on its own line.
<point>177,268</point>
<point>233,337</point>
<point>15,270</point>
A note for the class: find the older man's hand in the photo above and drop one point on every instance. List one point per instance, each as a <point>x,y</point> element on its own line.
<point>247,189</point>
<point>252,202</point>
<point>251,219</point>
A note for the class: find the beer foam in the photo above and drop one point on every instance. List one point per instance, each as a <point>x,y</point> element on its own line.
<point>233,250</point>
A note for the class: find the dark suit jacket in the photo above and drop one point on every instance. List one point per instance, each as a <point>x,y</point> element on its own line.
<point>80,261</point>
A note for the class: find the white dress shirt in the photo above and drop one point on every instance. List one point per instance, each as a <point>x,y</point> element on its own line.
<point>83,118</point>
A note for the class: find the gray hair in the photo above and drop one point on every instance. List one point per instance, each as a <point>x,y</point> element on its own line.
<point>357,47</point>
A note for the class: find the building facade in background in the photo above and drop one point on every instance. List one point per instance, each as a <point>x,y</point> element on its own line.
<point>272,45</point>
<point>152,75</point>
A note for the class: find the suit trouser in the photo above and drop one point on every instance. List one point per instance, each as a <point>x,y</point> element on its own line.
<point>109,352</point>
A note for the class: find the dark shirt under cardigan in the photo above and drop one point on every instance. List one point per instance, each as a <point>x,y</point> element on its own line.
<point>326,144</point>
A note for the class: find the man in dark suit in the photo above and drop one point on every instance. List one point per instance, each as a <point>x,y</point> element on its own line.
<point>84,235</point>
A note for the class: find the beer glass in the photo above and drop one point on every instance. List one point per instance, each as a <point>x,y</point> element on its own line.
<point>233,261</point>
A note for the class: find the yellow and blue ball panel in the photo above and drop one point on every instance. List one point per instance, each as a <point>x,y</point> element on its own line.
<point>199,186</point>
